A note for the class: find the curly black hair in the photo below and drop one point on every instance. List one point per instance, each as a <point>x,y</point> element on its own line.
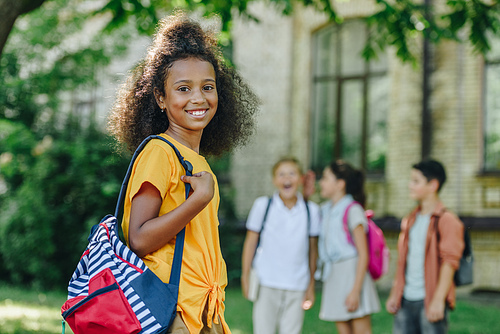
<point>136,114</point>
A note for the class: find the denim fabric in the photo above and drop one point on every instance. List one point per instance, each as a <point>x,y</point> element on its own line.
<point>411,319</point>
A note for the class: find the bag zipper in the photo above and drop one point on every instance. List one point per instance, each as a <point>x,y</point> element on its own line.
<point>94,294</point>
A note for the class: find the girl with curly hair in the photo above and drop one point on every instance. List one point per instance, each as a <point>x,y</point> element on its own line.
<point>183,91</point>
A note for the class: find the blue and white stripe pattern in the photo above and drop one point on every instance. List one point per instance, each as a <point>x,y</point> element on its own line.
<point>102,253</point>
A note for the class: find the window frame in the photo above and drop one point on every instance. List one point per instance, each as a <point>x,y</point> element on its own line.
<point>486,63</point>
<point>339,79</point>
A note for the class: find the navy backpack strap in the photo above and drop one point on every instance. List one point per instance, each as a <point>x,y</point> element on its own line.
<point>308,218</point>
<point>264,221</point>
<point>175,273</point>
<point>265,213</point>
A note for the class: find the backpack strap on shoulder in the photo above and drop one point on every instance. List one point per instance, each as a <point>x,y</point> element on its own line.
<point>263,222</point>
<point>345,222</point>
<point>179,240</point>
<point>265,213</point>
<point>308,218</point>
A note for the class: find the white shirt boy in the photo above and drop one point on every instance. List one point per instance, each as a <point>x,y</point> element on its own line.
<point>282,257</point>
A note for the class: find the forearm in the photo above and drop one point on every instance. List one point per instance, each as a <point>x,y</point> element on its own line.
<point>362,265</point>
<point>313,258</point>
<point>445,280</point>
<point>248,253</point>
<point>361,268</point>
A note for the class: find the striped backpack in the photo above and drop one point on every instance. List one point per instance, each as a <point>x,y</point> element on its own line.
<point>112,290</point>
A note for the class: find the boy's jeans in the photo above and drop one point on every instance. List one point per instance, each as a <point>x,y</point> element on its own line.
<point>411,319</point>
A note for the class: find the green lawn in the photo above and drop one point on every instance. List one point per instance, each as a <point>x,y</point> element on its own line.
<point>25,311</point>
<point>468,318</point>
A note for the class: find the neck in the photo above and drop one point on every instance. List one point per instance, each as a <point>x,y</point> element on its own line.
<point>289,202</point>
<point>337,197</point>
<point>428,205</point>
<point>188,138</point>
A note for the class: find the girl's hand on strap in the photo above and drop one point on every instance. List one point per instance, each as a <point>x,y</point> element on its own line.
<point>202,185</point>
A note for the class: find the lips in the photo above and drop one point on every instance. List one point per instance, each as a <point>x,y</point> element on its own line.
<point>198,112</point>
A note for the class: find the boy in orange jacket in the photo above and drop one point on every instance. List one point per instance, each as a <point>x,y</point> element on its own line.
<point>430,246</point>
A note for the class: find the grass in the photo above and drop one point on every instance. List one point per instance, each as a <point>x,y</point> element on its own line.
<point>469,317</point>
<point>26,311</point>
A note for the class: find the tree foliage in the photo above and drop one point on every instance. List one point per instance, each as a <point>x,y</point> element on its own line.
<point>60,187</point>
<point>395,23</point>
<point>58,172</point>
<point>398,22</point>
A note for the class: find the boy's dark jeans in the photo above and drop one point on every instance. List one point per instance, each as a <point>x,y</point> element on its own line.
<point>411,319</point>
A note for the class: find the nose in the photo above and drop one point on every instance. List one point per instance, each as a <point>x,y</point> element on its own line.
<point>198,96</point>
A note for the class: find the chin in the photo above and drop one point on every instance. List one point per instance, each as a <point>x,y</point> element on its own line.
<point>289,193</point>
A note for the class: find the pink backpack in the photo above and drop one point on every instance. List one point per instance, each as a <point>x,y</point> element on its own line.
<point>378,253</point>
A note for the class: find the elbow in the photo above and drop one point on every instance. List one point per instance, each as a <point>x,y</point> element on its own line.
<point>137,247</point>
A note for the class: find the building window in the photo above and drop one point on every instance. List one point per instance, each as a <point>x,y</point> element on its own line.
<point>491,116</point>
<point>350,100</point>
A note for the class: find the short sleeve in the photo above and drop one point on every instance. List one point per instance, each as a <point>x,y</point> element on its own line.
<point>315,218</point>
<point>147,170</point>
<point>256,215</point>
<point>357,217</point>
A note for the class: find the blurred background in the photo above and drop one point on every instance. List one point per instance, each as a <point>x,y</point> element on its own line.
<point>381,85</point>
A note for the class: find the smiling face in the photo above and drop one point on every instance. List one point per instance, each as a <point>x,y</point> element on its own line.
<point>287,179</point>
<point>190,98</point>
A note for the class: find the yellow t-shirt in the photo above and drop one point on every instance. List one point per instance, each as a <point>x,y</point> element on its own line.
<point>203,273</point>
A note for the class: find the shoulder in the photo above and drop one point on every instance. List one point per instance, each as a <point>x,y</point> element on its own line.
<point>166,147</point>
<point>312,205</point>
<point>356,209</point>
<point>356,216</point>
<point>158,148</point>
<point>260,203</point>
<point>314,210</point>
<point>256,215</point>
<point>262,199</point>
<point>154,157</point>
<point>449,220</point>
<point>408,218</point>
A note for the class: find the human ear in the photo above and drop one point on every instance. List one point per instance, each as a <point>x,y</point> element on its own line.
<point>434,184</point>
<point>160,99</point>
<point>341,183</point>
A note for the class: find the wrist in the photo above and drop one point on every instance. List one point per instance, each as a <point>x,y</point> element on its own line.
<point>201,198</point>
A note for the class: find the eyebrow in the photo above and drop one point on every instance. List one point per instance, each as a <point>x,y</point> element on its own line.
<point>190,81</point>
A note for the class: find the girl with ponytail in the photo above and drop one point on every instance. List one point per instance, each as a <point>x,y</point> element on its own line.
<point>349,294</point>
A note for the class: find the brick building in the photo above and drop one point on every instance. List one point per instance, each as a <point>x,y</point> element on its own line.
<point>321,100</point>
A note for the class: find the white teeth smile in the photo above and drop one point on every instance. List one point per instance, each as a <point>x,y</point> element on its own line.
<point>197,112</point>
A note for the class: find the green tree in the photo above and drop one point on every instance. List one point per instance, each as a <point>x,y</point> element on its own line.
<point>58,171</point>
<point>395,23</point>
<point>64,183</point>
